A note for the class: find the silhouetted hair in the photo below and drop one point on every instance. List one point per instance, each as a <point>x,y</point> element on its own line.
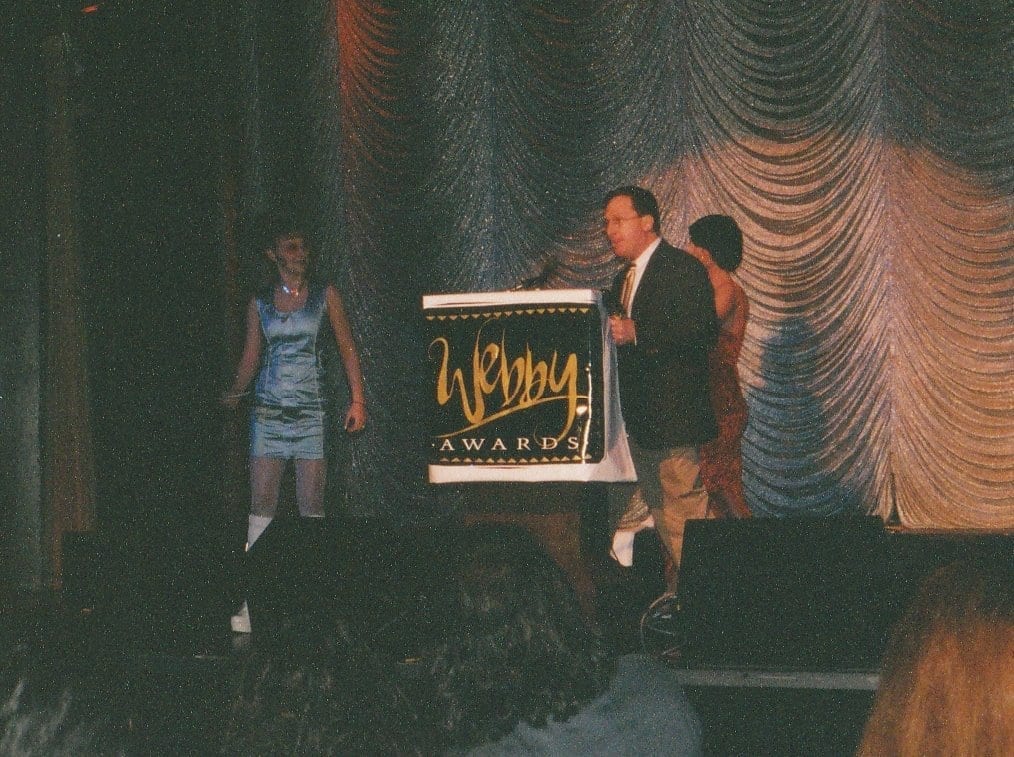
<point>644,203</point>
<point>721,236</point>
<point>514,644</point>
<point>948,674</point>
<point>321,696</point>
<point>51,727</point>
<point>278,223</point>
<point>271,226</point>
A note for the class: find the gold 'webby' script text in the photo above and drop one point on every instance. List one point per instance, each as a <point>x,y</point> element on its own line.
<point>496,385</point>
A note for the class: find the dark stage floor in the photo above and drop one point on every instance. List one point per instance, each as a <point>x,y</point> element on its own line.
<point>172,700</point>
<point>141,630</point>
<point>159,691</point>
<point>163,664</point>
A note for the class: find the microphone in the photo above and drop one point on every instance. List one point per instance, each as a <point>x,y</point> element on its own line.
<point>538,281</point>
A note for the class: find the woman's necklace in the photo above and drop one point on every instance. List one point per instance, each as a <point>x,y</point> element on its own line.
<point>291,291</point>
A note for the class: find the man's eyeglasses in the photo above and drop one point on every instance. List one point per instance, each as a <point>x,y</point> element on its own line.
<point>607,222</point>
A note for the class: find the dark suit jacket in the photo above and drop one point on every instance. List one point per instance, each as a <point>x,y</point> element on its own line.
<point>664,377</point>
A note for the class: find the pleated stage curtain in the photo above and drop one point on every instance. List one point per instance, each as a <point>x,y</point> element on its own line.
<point>864,148</point>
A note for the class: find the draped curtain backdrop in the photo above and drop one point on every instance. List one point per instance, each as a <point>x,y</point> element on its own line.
<point>864,147</point>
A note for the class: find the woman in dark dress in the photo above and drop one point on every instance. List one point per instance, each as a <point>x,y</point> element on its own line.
<point>717,242</point>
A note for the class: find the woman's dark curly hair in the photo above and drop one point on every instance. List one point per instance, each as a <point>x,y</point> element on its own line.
<point>321,695</point>
<point>514,645</point>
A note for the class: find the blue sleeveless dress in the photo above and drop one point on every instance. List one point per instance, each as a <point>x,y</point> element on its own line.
<point>289,417</point>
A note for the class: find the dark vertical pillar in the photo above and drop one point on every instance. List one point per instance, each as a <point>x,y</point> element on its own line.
<point>68,492</point>
<point>21,560</point>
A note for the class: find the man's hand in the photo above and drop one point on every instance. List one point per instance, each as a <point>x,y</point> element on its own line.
<point>622,330</point>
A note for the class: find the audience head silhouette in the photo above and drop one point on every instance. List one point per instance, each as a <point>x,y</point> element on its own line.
<point>947,685</point>
<point>514,645</point>
<point>307,693</point>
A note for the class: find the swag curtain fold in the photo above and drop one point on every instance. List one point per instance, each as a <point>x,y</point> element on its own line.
<point>864,147</point>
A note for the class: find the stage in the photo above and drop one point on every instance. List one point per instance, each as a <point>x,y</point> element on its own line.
<point>864,150</point>
<point>141,630</point>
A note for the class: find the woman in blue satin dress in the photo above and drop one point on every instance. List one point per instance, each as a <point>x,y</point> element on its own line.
<point>285,327</point>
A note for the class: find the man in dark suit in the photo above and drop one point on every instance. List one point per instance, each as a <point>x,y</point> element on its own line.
<point>664,325</point>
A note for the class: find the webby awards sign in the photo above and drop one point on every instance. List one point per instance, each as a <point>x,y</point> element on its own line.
<point>523,388</point>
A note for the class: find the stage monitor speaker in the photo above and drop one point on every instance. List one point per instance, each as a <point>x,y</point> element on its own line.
<point>152,582</point>
<point>808,594</point>
<point>305,574</point>
<point>784,594</point>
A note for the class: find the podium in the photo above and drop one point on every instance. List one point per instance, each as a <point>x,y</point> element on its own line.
<point>522,387</point>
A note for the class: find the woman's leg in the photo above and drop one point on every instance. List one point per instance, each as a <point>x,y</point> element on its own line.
<point>311,478</point>
<point>265,483</point>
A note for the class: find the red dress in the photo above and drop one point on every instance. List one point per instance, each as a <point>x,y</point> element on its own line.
<point>721,458</point>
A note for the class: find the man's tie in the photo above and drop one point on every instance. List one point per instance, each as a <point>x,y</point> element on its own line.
<point>627,292</point>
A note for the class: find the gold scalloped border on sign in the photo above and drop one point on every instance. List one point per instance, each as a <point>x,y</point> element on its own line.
<point>507,313</point>
<point>510,461</point>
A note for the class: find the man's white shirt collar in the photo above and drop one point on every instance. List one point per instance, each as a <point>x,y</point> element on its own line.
<point>640,263</point>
